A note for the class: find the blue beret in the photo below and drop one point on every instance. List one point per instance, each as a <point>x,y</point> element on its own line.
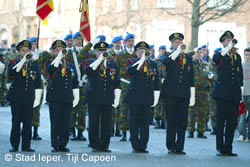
<point>68,36</point>
<point>33,39</point>
<point>217,50</point>
<point>151,46</point>
<point>162,47</point>
<point>13,45</point>
<point>2,49</point>
<point>199,48</point>
<point>77,34</point>
<point>204,46</point>
<point>110,45</point>
<point>117,38</point>
<point>102,37</point>
<point>129,36</point>
<point>171,47</point>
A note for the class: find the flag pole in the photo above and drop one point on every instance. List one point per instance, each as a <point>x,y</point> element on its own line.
<point>38,34</point>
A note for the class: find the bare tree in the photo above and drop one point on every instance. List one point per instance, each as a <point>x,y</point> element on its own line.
<point>207,10</point>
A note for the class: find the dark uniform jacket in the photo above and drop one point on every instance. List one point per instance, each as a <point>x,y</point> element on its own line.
<point>142,83</point>
<point>60,87</point>
<point>179,78</point>
<point>229,77</point>
<point>22,89</point>
<point>101,87</point>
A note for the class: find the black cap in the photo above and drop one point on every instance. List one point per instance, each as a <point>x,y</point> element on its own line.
<point>58,43</point>
<point>101,46</point>
<point>141,45</point>
<point>227,34</point>
<point>24,43</point>
<point>175,36</point>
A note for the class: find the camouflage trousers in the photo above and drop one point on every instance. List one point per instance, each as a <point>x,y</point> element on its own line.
<point>123,109</point>
<point>159,113</point>
<point>116,118</point>
<point>198,112</point>
<point>3,89</point>
<point>213,113</point>
<point>78,116</point>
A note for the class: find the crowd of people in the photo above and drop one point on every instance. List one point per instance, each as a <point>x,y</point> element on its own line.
<point>123,86</point>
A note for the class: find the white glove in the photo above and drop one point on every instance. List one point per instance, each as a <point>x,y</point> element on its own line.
<point>176,53</point>
<point>76,95</point>
<point>227,49</point>
<point>162,80</point>
<point>36,55</point>
<point>242,90</point>
<point>125,81</point>
<point>57,60</point>
<point>97,62</point>
<point>210,75</point>
<point>117,98</point>
<point>192,97</point>
<point>140,62</point>
<point>8,86</point>
<point>95,41</point>
<point>2,67</point>
<point>19,65</point>
<point>38,95</point>
<point>156,97</point>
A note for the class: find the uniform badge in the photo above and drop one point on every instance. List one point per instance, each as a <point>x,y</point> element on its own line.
<point>176,35</point>
<point>238,69</point>
<point>58,42</point>
<point>26,43</point>
<point>112,73</point>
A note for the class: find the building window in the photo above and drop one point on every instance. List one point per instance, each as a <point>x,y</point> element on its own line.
<point>133,4</point>
<point>220,4</point>
<point>166,3</point>
<point>119,5</point>
<point>105,6</point>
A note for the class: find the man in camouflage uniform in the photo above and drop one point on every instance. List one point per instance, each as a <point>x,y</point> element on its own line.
<point>198,112</point>
<point>3,77</point>
<point>127,53</point>
<point>116,53</point>
<point>78,116</point>
<point>159,113</point>
<point>212,101</point>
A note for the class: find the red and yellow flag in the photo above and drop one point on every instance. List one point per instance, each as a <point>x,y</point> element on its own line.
<point>44,8</point>
<point>84,22</point>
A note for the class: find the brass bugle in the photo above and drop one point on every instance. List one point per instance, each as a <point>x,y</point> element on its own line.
<point>64,51</point>
<point>28,56</point>
<point>183,47</point>
<point>105,54</point>
<point>147,53</point>
<point>234,41</point>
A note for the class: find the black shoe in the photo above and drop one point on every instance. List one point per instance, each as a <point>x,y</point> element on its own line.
<point>208,129</point>
<point>36,137</point>
<point>55,149</point>
<point>124,136</point>
<point>118,133</point>
<point>27,150</point>
<point>144,151</point>
<point>95,150</point>
<point>157,124</point>
<point>220,153</point>
<point>106,150</point>
<point>180,152</point>
<point>136,151</point>
<point>112,132</point>
<point>190,135</point>
<point>213,132</point>
<point>14,149</point>
<point>202,136</point>
<point>80,136</point>
<point>171,151</point>
<point>64,149</point>
<point>231,154</point>
<point>72,134</point>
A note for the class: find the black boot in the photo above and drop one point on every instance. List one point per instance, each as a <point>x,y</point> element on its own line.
<point>72,135</point>
<point>207,128</point>
<point>117,133</point>
<point>201,135</point>
<point>163,124</point>
<point>112,132</point>
<point>35,134</point>
<point>80,136</point>
<point>157,124</point>
<point>191,135</point>
<point>213,132</point>
<point>124,136</point>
